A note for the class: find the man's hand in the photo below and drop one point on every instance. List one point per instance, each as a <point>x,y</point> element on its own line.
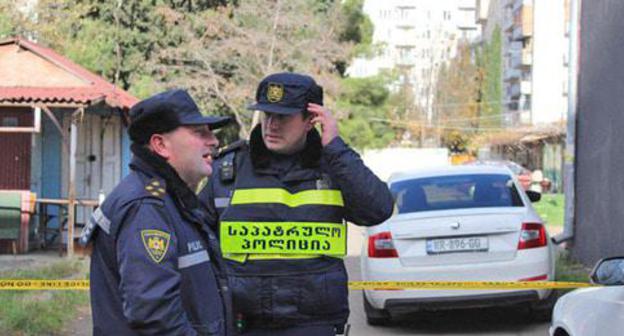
<point>323,117</point>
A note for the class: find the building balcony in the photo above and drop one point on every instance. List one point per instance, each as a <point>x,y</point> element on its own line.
<point>520,33</point>
<point>405,61</point>
<point>405,23</point>
<point>518,89</point>
<point>514,47</point>
<point>519,3</point>
<point>527,57</point>
<point>508,24</point>
<point>512,74</point>
<point>525,87</point>
<point>520,58</point>
<point>515,60</point>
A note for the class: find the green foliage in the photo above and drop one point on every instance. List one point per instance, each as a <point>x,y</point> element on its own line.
<point>552,209</point>
<point>363,100</point>
<point>28,314</point>
<point>567,269</point>
<point>456,99</point>
<point>369,91</point>
<point>56,270</point>
<point>492,87</point>
<point>117,40</point>
<point>11,21</point>
<point>6,28</point>
<point>36,312</point>
<point>217,49</point>
<point>358,28</point>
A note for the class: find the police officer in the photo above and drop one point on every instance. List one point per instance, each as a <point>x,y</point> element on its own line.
<point>155,268</point>
<point>282,200</point>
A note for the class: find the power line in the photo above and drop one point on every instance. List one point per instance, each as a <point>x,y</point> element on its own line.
<point>420,124</point>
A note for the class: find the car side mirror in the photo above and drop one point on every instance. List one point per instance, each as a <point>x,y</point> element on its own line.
<point>534,196</point>
<point>608,272</point>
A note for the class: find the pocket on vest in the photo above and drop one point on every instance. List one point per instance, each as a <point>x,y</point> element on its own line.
<point>324,294</point>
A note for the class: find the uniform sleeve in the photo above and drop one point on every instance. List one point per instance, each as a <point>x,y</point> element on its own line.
<point>367,199</point>
<point>149,279</point>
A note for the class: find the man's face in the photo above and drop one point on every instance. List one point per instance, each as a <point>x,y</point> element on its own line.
<point>189,150</point>
<point>285,134</point>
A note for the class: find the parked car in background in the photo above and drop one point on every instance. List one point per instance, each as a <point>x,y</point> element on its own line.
<point>593,311</point>
<point>523,175</point>
<point>457,223</point>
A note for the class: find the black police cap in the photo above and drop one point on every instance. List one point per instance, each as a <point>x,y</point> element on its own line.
<point>287,93</point>
<point>165,112</point>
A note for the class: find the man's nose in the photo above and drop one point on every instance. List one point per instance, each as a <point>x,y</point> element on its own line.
<point>212,140</point>
<point>273,121</point>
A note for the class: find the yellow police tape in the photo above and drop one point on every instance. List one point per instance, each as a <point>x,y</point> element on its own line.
<point>464,285</point>
<point>370,285</point>
<point>44,284</point>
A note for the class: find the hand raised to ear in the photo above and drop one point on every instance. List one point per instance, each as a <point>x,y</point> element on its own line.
<point>323,117</point>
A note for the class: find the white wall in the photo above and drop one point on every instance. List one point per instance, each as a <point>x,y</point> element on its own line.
<point>385,162</point>
<point>549,72</point>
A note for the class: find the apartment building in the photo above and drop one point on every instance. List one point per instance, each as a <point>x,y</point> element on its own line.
<point>535,53</point>
<point>535,57</point>
<point>417,37</point>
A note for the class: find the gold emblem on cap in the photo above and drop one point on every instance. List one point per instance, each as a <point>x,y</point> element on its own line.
<point>275,92</point>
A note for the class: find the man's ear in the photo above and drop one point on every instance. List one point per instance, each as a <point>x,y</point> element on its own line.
<point>308,122</point>
<point>160,145</point>
<point>309,125</point>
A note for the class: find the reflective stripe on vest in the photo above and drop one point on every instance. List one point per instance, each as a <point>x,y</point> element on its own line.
<point>283,238</point>
<point>281,196</point>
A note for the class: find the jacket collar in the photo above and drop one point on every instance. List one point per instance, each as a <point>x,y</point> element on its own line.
<point>155,166</point>
<point>309,157</point>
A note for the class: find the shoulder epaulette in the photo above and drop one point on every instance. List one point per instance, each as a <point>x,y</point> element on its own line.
<point>156,188</point>
<point>236,145</point>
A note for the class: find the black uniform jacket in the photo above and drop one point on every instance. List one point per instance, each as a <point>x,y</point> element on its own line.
<point>284,292</point>
<point>155,264</point>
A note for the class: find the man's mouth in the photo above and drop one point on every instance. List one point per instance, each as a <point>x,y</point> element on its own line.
<point>272,137</point>
<point>208,156</point>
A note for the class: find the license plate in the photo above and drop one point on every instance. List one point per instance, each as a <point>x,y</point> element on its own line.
<point>463,244</point>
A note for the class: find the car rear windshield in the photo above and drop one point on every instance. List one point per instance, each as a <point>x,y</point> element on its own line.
<point>455,192</point>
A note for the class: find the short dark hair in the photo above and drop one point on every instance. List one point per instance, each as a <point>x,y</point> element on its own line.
<point>305,114</point>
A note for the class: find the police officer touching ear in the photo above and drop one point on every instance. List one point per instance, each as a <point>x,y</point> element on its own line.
<point>156,265</point>
<point>282,201</point>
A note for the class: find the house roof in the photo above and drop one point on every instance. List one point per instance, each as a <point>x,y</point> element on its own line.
<point>522,135</point>
<point>31,73</point>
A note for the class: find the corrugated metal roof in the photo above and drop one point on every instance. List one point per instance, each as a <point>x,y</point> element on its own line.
<point>96,90</point>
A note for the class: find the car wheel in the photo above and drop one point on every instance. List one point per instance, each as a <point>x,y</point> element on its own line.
<point>374,316</point>
<point>542,310</point>
<point>561,332</point>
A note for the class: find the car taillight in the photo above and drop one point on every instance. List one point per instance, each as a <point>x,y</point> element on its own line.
<point>543,277</point>
<point>380,246</point>
<point>532,235</point>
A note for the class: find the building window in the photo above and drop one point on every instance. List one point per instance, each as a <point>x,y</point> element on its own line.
<point>527,103</point>
<point>10,122</point>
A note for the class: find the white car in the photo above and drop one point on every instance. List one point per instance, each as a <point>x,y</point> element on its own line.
<point>461,223</point>
<point>593,311</point>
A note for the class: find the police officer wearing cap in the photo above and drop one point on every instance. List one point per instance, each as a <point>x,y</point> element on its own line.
<point>282,200</point>
<point>156,267</point>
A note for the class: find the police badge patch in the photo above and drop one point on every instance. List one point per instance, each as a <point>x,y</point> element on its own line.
<point>156,243</point>
<point>323,183</point>
<point>275,92</point>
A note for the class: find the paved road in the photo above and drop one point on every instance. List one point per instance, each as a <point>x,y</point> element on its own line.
<point>500,322</point>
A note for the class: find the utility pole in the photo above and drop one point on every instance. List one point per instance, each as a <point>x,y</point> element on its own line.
<point>569,159</point>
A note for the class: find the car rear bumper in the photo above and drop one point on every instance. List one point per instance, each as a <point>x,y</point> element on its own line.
<point>408,305</point>
<point>528,264</point>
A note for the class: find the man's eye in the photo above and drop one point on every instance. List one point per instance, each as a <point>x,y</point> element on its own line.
<point>201,131</point>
